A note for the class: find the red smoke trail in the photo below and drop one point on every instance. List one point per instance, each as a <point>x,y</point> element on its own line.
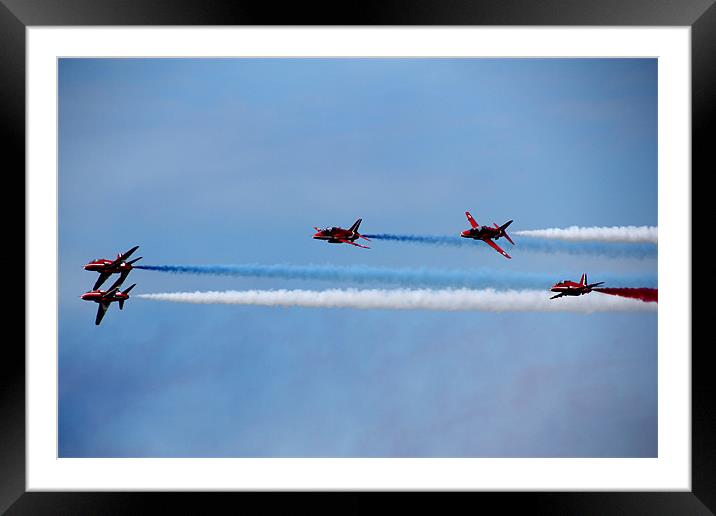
<point>644,294</point>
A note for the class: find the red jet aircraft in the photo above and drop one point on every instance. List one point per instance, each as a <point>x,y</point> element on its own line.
<point>107,267</point>
<point>103,299</point>
<point>487,233</point>
<point>570,288</point>
<point>336,235</point>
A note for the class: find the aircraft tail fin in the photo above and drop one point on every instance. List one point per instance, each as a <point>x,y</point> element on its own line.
<point>130,262</point>
<point>583,280</point>
<point>130,288</point>
<point>503,228</point>
<point>355,225</point>
<point>503,232</point>
<point>121,304</point>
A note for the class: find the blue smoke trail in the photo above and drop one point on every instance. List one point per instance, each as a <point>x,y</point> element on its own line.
<point>419,277</point>
<point>536,245</point>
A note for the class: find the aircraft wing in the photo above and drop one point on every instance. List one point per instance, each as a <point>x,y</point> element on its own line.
<point>101,309</point>
<point>496,247</point>
<point>111,291</point>
<point>124,256</point>
<point>558,295</point>
<point>102,278</point>
<point>472,221</point>
<point>122,276</point>
<point>352,243</point>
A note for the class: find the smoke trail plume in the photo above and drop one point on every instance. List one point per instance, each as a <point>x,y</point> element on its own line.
<point>627,234</point>
<point>643,294</point>
<point>609,250</point>
<point>422,299</point>
<point>532,244</point>
<point>422,239</point>
<point>416,277</point>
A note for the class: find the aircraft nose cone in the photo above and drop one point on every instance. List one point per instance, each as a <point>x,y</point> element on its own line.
<point>465,233</point>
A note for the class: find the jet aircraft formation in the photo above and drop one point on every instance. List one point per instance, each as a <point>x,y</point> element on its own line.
<point>106,268</point>
<point>333,235</point>
<point>488,234</point>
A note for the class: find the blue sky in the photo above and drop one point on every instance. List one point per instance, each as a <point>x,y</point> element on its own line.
<point>231,161</point>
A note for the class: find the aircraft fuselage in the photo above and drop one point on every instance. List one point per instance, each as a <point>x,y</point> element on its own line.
<point>99,296</point>
<point>571,291</point>
<point>332,235</point>
<point>105,265</point>
<point>482,233</point>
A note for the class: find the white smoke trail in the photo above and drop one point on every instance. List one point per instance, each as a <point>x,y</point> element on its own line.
<point>630,234</point>
<point>419,299</point>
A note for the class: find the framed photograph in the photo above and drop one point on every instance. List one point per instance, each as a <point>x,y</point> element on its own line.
<point>413,253</point>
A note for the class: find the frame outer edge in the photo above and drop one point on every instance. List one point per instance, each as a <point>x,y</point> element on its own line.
<point>703,113</point>
<point>12,363</point>
<point>12,102</point>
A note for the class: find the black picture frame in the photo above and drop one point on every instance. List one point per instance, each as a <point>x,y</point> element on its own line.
<point>17,15</point>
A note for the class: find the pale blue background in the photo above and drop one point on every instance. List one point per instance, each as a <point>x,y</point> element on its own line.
<point>234,161</point>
